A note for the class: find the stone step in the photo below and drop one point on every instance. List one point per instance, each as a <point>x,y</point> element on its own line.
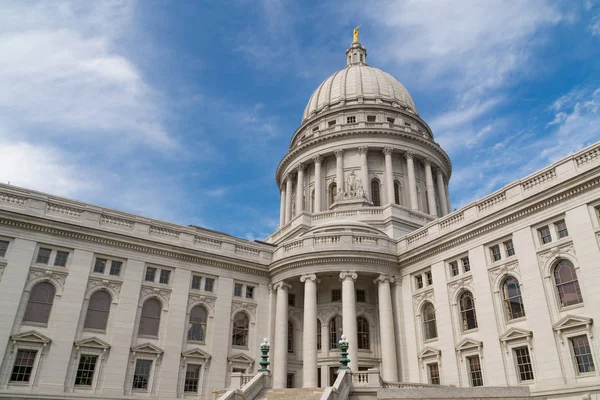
<point>291,394</point>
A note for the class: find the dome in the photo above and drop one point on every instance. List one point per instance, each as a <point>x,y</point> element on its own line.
<point>358,83</point>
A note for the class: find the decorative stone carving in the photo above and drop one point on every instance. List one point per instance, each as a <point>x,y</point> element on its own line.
<point>159,231</point>
<point>64,210</point>
<point>207,301</point>
<point>338,153</point>
<point>282,285</point>
<point>491,202</point>
<point>348,275</point>
<point>113,287</point>
<point>243,306</point>
<point>539,179</point>
<point>115,221</point>
<point>363,149</point>
<point>503,269</point>
<point>384,278</point>
<point>326,313</point>
<point>318,159</point>
<point>555,252</point>
<point>56,277</point>
<point>311,277</point>
<point>409,155</point>
<point>387,151</point>
<point>419,298</point>
<point>300,167</point>
<point>162,293</point>
<point>354,189</point>
<point>12,199</point>
<point>464,282</point>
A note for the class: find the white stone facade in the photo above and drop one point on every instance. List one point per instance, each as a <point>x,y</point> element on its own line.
<point>502,292</point>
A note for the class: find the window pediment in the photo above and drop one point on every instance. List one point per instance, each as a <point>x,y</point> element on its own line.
<point>429,352</point>
<point>470,344</point>
<point>241,358</point>
<point>196,353</point>
<point>569,322</point>
<point>147,348</point>
<point>30,337</point>
<point>92,342</point>
<point>515,334</point>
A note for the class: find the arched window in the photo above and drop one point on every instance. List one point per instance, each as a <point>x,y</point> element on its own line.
<point>290,337</point>
<point>567,285</point>
<point>241,327</point>
<point>429,326</point>
<point>375,192</point>
<point>318,335</point>
<point>335,332</point>
<point>197,325</point>
<point>397,192</point>
<point>467,311</point>
<point>150,319</point>
<point>363,333</point>
<point>98,309</point>
<point>40,302</point>
<point>332,193</point>
<point>513,302</point>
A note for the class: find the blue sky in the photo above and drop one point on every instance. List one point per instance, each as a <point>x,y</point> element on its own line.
<point>182,110</point>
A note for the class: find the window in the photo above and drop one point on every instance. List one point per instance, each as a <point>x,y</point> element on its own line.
<point>513,302</point>
<point>363,333</point>
<point>335,332</point>
<point>434,373</point>
<point>419,281</point>
<point>561,229</point>
<point>85,370</point>
<point>361,296</point>
<point>391,120</point>
<point>209,284</point>
<point>466,264</point>
<point>150,318</point>
<point>23,365</point>
<point>100,266</point>
<point>371,118</point>
<point>289,382</point>
<point>141,375</point>
<point>164,276</point>
<point>98,310</point>
<point>396,193</point>
<point>375,193</point>
<point>429,278</point>
<point>336,295</point>
<point>332,193</point>
<point>331,123</point>
<point>524,367</point>
<point>249,292</point>
<point>315,129</point>
<point>291,300</point>
<point>40,302</point>
<point>3,248</point>
<point>197,325</point>
<point>115,267</point>
<point>429,325</point>
<point>196,282</point>
<point>318,335</point>
<point>495,250</point>
<point>544,233</point>
<point>241,327</point>
<point>290,338</point>
<point>567,284</point>
<point>475,375</point>
<point>192,376</point>
<point>237,289</point>
<point>150,274</point>
<point>406,123</point>
<point>467,311</point>
<point>582,354</point>
<point>454,268</point>
<point>350,120</point>
<point>61,259</point>
<point>43,256</point>
<point>510,249</point>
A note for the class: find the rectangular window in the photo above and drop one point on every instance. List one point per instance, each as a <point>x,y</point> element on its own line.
<point>192,376</point>
<point>495,250</point>
<point>115,268</point>
<point>196,282</point>
<point>85,370</point>
<point>237,289</point>
<point>466,264</point>
<point>371,118</point>
<point>434,373</point>
<point>510,249</point>
<point>523,364</point>
<point>361,296</point>
<point>475,375</point>
<point>61,259</point>
<point>43,256</point>
<point>291,300</point>
<point>545,236</point>
<point>561,229</point>
<point>429,278</point>
<point>336,295</point>
<point>331,123</point>
<point>209,284</point>
<point>23,366</point>
<point>289,381</point>
<point>150,274</point>
<point>141,375</point>
<point>249,292</point>
<point>100,265</point>
<point>391,120</point>
<point>419,281</point>
<point>583,355</point>
<point>3,248</point>
<point>351,120</point>
<point>597,210</point>
<point>454,268</point>
<point>165,274</point>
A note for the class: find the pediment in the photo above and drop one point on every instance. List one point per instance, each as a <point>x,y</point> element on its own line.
<point>515,334</point>
<point>572,321</point>
<point>147,348</point>
<point>92,342</point>
<point>241,358</point>
<point>196,353</point>
<point>429,352</point>
<point>31,337</point>
<point>468,343</point>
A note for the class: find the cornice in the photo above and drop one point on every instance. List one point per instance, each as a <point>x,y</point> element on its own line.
<point>256,270</point>
<point>331,258</point>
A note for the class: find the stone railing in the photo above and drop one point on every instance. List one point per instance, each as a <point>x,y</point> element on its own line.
<point>369,378</point>
<point>341,387</point>
<point>250,389</point>
<point>330,239</point>
<point>117,222</point>
<point>406,385</point>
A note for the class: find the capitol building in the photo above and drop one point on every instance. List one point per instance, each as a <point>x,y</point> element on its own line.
<point>500,294</point>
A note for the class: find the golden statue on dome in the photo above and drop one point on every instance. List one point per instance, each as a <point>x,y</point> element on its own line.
<point>356,34</point>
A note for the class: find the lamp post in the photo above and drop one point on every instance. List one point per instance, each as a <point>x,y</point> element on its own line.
<point>264,362</point>
<point>344,360</point>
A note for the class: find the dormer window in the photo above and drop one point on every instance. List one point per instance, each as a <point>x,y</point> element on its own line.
<point>371,118</point>
<point>350,120</point>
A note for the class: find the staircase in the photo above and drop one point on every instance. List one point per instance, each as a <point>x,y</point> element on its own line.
<point>290,394</point>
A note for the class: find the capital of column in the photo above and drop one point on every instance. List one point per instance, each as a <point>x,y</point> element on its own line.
<point>363,149</point>
<point>270,287</point>
<point>318,159</point>
<point>282,285</point>
<point>398,280</point>
<point>300,167</point>
<point>388,151</point>
<point>311,277</point>
<point>338,153</point>
<point>289,176</point>
<point>384,278</point>
<point>428,161</point>
<point>409,155</point>
<point>348,275</point>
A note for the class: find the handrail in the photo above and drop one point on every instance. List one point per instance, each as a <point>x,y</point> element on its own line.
<point>341,387</point>
<point>249,391</point>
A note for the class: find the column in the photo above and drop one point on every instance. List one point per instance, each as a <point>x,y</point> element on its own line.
<point>282,208</point>
<point>430,190</point>
<point>281,336</point>
<point>412,182</point>
<point>318,159</point>
<point>300,189</point>
<point>389,365</point>
<point>349,316</point>
<point>309,336</point>
<point>389,174</point>
<point>288,198</point>
<point>364,170</point>
<point>442,192</point>
<point>339,170</point>
<point>448,197</point>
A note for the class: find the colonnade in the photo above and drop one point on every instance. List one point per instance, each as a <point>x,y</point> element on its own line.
<point>389,366</point>
<point>285,215</point>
